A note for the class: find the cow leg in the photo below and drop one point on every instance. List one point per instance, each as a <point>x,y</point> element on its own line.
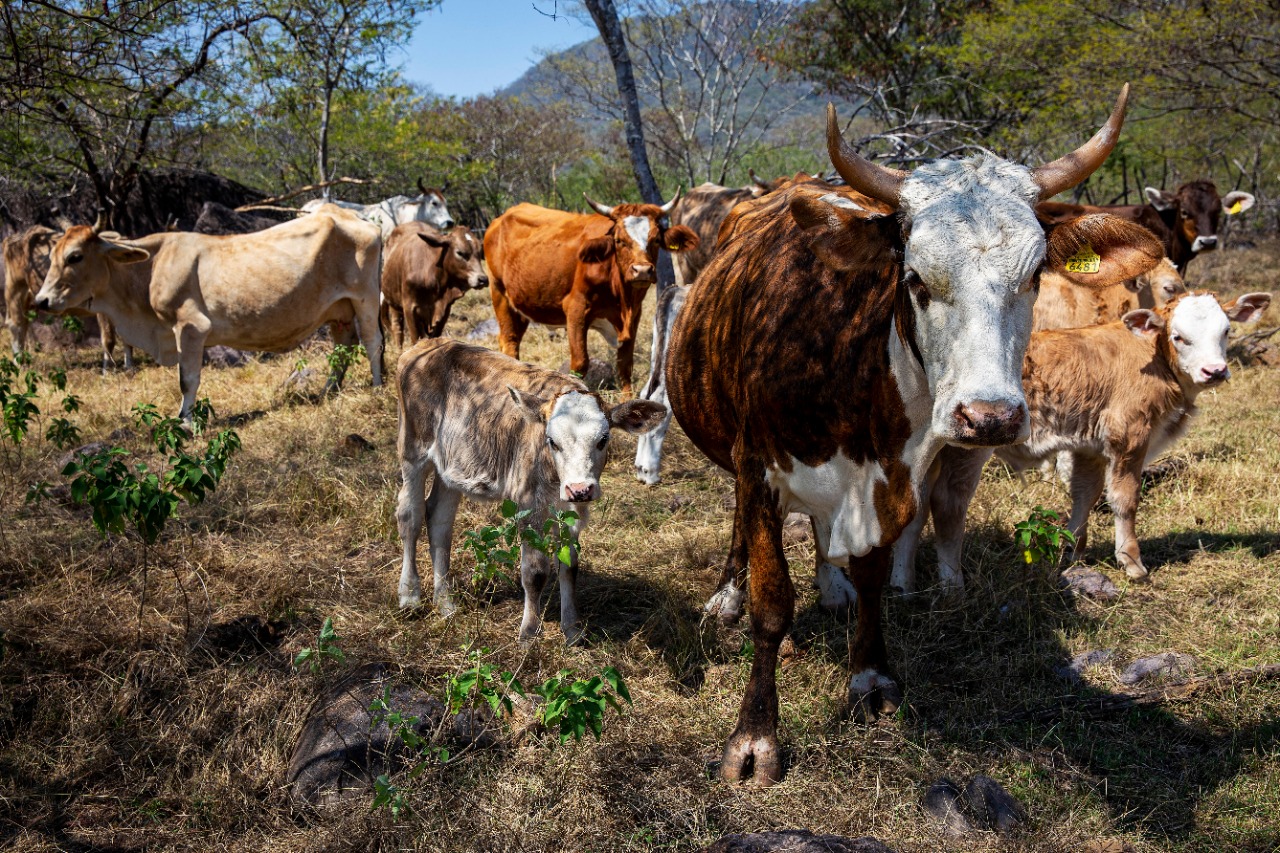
<point>903,576</point>
<point>128,355</point>
<point>108,333</point>
<point>366,318</point>
<point>409,514</point>
<point>753,746</point>
<point>726,603</point>
<point>191,339</point>
<point>570,621</point>
<point>649,444</point>
<point>442,509</point>
<point>1088,477</point>
<point>511,324</point>
<point>872,689</point>
<point>837,593</point>
<point>576,326</point>
<point>534,574</point>
<point>627,345</point>
<point>958,478</point>
<point>412,321</point>
<point>1124,482</point>
<point>17,332</point>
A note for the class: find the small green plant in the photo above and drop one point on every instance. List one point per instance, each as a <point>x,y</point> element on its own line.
<point>343,357</point>
<point>326,648</point>
<point>497,547</point>
<point>72,324</point>
<point>482,681</point>
<point>1042,536</point>
<point>390,796</point>
<point>576,706</point>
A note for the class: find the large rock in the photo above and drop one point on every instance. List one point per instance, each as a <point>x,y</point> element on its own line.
<point>993,806</point>
<point>795,841</point>
<point>1157,667</point>
<point>944,804</point>
<point>1090,583</point>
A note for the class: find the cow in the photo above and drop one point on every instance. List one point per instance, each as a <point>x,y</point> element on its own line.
<point>492,428</point>
<point>702,210</point>
<point>26,261</point>
<point>578,270</point>
<point>424,272</point>
<point>172,294</point>
<point>827,353</point>
<point>1064,305</point>
<point>428,206</point>
<point>649,445</point>
<point>1187,220</point>
<point>1114,397</point>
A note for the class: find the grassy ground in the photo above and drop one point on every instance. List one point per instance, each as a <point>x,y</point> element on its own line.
<point>126,728</point>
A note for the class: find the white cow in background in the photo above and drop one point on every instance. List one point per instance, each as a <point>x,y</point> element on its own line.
<point>428,206</point>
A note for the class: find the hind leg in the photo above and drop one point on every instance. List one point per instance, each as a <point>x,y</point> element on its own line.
<point>442,510</point>
<point>370,332</point>
<point>409,514</point>
<point>511,324</point>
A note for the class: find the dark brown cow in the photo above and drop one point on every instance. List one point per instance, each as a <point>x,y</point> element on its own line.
<point>1186,221</point>
<point>424,273</point>
<point>828,353</point>
<point>578,270</point>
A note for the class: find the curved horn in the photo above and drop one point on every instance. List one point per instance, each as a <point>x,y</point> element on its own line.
<point>864,176</point>
<point>421,188</point>
<point>764,185</point>
<point>101,221</point>
<point>602,209</point>
<point>670,206</point>
<point>1066,172</point>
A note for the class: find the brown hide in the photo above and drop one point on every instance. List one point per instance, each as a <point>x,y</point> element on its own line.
<point>423,274</point>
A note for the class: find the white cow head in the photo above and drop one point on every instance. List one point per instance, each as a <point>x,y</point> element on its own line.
<point>1192,332</point>
<point>428,207</point>
<point>577,434</point>
<point>79,267</point>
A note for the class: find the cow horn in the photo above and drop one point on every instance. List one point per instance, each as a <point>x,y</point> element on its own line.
<point>764,185</point>
<point>864,176</point>
<point>1066,172</point>
<point>602,209</point>
<point>670,206</point>
<point>100,222</point>
<point>421,188</point>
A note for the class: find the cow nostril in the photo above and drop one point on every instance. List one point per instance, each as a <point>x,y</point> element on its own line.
<point>42,304</point>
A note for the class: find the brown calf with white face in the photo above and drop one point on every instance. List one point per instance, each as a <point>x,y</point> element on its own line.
<point>492,428</point>
<point>579,271</point>
<point>1064,305</point>
<point>1114,397</point>
<point>424,272</point>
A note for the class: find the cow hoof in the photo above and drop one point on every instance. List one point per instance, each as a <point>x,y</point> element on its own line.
<point>872,695</point>
<point>1135,571</point>
<point>647,476</point>
<point>444,605</point>
<point>573,634</point>
<point>757,757</point>
<point>838,593</point>
<point>726,604</point>
<point>409,600</point>
<point>531,632</point>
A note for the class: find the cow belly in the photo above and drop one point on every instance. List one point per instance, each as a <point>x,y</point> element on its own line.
<point>840,496</point>
<point>275,328</point>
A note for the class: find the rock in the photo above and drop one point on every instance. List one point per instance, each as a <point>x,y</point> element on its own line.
<point>298,380</point>
<point>1167,665</point>
<point>122,434</point>
<point>222,356</point>
<point>1075,669</point>
<point>353,445</point>
<point>993,806</point>
<point>796,529</point>
<point>1108,845</point>
<point>794,841</point>
<point>1090,583</point>
<point>484,329</point>
<point>942,802</point>
<point>599,375</point>
<point>83,450</point>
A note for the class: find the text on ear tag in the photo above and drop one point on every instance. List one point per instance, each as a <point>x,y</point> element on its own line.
<point>1084,261</point>
<point>1236,208</point>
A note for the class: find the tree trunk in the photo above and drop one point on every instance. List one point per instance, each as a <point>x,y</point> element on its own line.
<point>322,149</point>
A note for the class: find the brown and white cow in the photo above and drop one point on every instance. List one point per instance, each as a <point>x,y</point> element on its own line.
<point>492,428</point>
<point>702,210</point>
<point>173,294</point>
<point>1114,397</point>
<point>26,261</point>
<point>423,273</point>
<point>1186,220</point>
<point>1064,305</point>
<point>578,270</point>
<point>827,353</point>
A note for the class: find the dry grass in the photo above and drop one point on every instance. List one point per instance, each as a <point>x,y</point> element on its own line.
<point>163,734</point>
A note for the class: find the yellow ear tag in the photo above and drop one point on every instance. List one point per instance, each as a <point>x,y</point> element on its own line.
<point>1084,261</point>
<point>1235,208</point>
<point>673,248</point>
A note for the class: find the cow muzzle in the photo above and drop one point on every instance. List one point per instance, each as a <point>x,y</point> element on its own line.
<point>642,274</point>
<point>579,492</point>
<point>989,423</point>
<point>1213,374</point>
<point>1204,244</point>
<point>481,281</point>
<point>42,303</point>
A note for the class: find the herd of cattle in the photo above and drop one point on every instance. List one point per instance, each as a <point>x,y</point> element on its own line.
<point>853,348</point>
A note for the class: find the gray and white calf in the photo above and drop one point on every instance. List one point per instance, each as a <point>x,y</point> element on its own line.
<point>492,428</point>
<point>1114,397</point>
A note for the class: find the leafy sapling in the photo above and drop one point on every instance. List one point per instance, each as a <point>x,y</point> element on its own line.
<point>326,648</point>
<point>1042,536</point>
<point>576,706</point>
<point>482,681</point>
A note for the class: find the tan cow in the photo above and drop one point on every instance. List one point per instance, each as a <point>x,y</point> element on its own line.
<point>492,428</point>
<point>173,294</point>
<point>1062,304</point>
<point>1114,397</point>
<point>424,273</point>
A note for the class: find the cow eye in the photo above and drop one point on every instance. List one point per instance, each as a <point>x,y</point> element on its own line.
<point>551,442</point>
<point>602,442</point>
<point>75,258</point>
<point>1179,339</point>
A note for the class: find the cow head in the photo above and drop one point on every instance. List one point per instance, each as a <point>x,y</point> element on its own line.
<point>428,207</point>
<point>462,258</point>
<point>1194,210</point>
<point>79,267</point>
<point>969,249</point>
<point>577,434</point>
<point>636,234</point>
<point>1163,282</point>
<point>1191,332</point>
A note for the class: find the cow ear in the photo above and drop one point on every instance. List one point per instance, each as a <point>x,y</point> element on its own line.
<point>434,238</point>
<point>1160,199</point>
<point>679,238</point>
<point>530,405</point>
<point>1237,202</point>
<point>1143,322</point>
<point>838,229</point>
<point>597,249</point>
<point>1100,250</point>
<point>1248,307</point>
<point>637,416</point>
<point>123,254</point>
<point>1136,285</point>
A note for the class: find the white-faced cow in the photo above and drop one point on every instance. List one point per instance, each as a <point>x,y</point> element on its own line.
<point>827,353</point>
<point>424,272</point>
<point>1113,397</point>
<point>579,271</point>
<point>173,294</point>
<point>428,206</point>
<point>491,428</point>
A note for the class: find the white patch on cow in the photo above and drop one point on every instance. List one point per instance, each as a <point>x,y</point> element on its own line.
<point>578,436</point>
<point>839,495</point>
<point>862,683</point>
<point>638,228</point>
<point>837,592</point>
<point>975,243</point>
<point>1198,331</point>
<point>837,200</point>
<point>1201,244</point>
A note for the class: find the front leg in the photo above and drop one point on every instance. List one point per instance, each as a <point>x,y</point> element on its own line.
<point>872,688</point>
<point>627,340</point>
<point>1088,477</point>
<point>958,477</point>
<point>1124,483</point>
<point>576,326</point>
<point>753,746</point>
<point>534,573</point>
<point>191,338</point>
<point>442,509</point>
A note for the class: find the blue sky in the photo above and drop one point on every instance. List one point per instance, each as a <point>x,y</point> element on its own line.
<point>471,47</point>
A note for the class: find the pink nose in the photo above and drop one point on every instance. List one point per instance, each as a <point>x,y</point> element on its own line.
<point>580,492</point>
<point>1214,372</point>
<point>642,271</point>
<point>989,422</point>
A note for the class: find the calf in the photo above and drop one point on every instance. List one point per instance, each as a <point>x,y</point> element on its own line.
<point>1062,304</point>
<point>1114,397</point>
<point>492,428</point>
<point>424,273</point>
